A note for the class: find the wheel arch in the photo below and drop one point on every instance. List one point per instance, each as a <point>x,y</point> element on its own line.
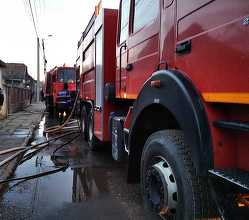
<point>175,105</point>
<point>87,104</point>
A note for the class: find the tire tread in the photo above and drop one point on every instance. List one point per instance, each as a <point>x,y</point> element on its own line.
<point>199,184</point>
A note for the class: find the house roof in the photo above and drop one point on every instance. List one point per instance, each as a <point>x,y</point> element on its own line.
<point>2,64</point>
<point>17,71</point>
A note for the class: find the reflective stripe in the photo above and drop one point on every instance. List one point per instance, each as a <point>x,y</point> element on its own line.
<point>239,98</point>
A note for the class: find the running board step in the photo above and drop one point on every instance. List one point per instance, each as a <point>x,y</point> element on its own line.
<point>232,125</point>
<point>236,178</point>
<point>228,188</point>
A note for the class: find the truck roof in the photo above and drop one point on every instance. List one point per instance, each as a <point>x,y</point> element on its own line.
<point>87,29</point>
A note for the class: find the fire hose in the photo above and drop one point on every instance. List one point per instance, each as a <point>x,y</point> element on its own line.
<point>22,150</point>
<point>59,127</point>
<point>30,155</point>
<point>36,175</point>
<point>38,147</point>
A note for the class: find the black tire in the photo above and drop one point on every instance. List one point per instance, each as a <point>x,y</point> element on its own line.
<point>49,105</point>
<point>93,142</point>
<point>83,123</point>
<point>169,183</point>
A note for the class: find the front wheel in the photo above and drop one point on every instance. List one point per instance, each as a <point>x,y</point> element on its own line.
<point>170,186</point>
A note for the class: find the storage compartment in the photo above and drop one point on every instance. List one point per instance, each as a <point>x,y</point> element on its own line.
<point>118,150</point>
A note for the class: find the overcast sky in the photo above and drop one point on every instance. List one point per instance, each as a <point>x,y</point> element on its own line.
<point>64,19</point>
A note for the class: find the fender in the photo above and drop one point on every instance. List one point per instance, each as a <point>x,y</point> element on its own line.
<point>88,103</point>
<point>179,96</point>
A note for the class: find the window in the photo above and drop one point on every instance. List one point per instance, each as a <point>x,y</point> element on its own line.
<point>124,23</point>
<point>146,11</point>
<point>66,76</point>
<point>88,52</point>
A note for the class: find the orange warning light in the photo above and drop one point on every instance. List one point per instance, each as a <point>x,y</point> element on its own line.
<point>98,8</point>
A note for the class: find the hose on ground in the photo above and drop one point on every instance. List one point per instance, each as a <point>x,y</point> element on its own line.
<point>23,151</point>
<point>36,175</point>
<point>31,154</point>
<point>59,127</point>
<point>61,146</point>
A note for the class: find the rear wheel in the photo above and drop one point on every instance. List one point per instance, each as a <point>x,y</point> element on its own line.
<point>92,140</point>
<point>170,185</point>
<point>83,123</point>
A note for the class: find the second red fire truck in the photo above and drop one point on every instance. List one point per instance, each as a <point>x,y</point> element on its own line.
<point>167,83</point>
<point>57,80</point>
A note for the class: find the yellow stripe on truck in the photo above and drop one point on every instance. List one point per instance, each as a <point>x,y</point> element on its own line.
<point>238,98</point>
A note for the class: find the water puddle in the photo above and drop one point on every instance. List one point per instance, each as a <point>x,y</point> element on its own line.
<point>21,133</point>
<point>93,186</point>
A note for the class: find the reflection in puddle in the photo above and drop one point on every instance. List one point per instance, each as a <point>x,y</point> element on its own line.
<point>21,133</point>
<point>88,183</point>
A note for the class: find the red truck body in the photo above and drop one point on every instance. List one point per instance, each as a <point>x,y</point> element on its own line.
<point>99,38</point>
<point>55,80</point>
<point>171,65</point>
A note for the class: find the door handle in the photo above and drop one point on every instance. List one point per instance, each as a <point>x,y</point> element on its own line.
<point>129,67</point>
<point>184,47</point>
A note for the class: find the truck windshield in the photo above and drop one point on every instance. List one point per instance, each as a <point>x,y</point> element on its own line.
<point>66,75</point>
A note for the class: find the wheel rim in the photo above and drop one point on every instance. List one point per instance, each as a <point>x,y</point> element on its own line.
<point>83,125</point>
<point>161,188</point>
<point>114,148</point>
<point>90,130</point>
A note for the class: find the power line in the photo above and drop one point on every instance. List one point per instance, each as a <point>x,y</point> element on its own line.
<point>27,11</point>
<point>36,16</point>
<point>33,18</point>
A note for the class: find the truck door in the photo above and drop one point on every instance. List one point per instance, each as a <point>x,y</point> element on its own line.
<point>142,44</point>
<point>121,52</point>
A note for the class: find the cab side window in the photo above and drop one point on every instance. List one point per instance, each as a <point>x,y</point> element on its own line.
<point>145,12</point>
<point>124,22</point>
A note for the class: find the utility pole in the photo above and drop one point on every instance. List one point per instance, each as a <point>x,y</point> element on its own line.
<point>38,71</point>
<point>44,57</point>
<point>44,54</point>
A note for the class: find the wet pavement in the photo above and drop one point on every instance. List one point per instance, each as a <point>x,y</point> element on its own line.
<point>16,131</point>
<point>92,187</point>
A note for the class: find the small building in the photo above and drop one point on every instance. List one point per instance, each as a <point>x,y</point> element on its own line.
<point>16,74</point>
<point>18,87</point>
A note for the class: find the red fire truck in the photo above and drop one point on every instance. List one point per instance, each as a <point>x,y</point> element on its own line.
<point>167,82</point>
<point>55,82</point>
